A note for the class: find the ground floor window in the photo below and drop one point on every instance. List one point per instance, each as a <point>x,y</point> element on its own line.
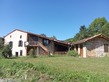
<point>105,47</point>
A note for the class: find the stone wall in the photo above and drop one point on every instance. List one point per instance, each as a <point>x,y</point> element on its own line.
<point>95,47</point>
<point>50,47</point>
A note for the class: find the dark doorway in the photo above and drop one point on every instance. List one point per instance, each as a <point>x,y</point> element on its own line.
<point>16,54</point>
<point>20,52</point>
<point>105,47</point>
<point>81,50</point>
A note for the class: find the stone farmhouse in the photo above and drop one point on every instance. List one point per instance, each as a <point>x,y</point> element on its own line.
<point>22,42</point>
<point>95,46</point>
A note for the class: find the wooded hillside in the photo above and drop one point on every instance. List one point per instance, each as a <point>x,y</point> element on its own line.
<point>99,25</point>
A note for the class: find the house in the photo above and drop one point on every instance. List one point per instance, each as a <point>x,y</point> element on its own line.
<point>22,42</point>
<point>95,46</point>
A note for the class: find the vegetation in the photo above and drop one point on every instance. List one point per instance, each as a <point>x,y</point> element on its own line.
<point>58,68</point>
<point>6,51</point>
<point>55,69</point>
<point>1,43</point>
<point>99,25</point>
<point>73,53</point>
<point>1,47</point>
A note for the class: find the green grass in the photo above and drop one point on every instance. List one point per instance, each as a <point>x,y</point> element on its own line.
<point>56,69</point>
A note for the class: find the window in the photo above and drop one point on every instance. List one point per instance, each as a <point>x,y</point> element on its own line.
<point>20,43</point>
<point>20,36</point>
<point>21,52</point>
<point>45,42</point>
<point>10,36</point>
<point>11,44</point>
<point>105,47</point>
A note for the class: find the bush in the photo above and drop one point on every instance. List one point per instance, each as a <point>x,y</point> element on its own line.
<point>1,43</point>
<point>73,53</point>
<point>6,52</point>
<point>1,56</point>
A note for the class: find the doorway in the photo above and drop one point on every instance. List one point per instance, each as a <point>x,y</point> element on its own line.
<point>16,54</point>
<point>81,50</point>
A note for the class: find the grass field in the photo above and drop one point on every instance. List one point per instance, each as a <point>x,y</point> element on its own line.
<point>56,69</point>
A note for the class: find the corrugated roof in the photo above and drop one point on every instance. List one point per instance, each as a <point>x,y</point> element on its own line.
<point>87,39</point>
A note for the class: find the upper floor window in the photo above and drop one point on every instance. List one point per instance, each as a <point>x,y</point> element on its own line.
<point>33,38</point>
<point>45,42</point>
<point>10,36</point>
<point>20,43</point>
<point>11,44</point>
<point>105,47</point>
<point>20,36</point>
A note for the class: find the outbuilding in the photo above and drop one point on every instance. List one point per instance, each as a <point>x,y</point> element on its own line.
<point>95,46</point>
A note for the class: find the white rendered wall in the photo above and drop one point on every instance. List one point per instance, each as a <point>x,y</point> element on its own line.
<point>15,37</point>
<point>84,51</point>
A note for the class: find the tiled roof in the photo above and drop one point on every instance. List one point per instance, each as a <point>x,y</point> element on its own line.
<point>59,41</point>
<point>90,38</point>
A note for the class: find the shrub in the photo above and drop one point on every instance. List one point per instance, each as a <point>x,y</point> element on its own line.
<point>1,43</point>
<point>1,56</point>
<point>73,53</point>
<point>6,52</point>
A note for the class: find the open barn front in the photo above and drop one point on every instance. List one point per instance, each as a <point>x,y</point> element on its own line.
<point>60,48</point>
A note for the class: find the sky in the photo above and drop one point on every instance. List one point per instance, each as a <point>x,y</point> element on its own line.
<point>60,18</point>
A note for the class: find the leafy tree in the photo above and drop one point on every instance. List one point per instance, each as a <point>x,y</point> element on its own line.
<point>96,26</point>
<point>43,35</point>
<point>76,37</point>
<point>105,29</point>
<point>6,52</point>
<point>1,43</point>
<point>1,47</point>
<point>83,33</point>
<point>69,40</point>
<point>99,25</point>
<point>53,37</point>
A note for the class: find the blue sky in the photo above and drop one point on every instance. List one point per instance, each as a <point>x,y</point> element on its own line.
<point>60,18</point>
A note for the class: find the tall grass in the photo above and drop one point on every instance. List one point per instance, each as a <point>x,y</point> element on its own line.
<point>56,69</point>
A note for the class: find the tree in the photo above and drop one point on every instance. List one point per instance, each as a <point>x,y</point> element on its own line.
<point>105,29</point>
<point>6,52</point>
<point>53,37</point>
<point>1,43</point>
<point>96,26</point>
<point>83,32</point>
<point>43,35</point>
<point>99,25</point>
<point>76,37</point>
